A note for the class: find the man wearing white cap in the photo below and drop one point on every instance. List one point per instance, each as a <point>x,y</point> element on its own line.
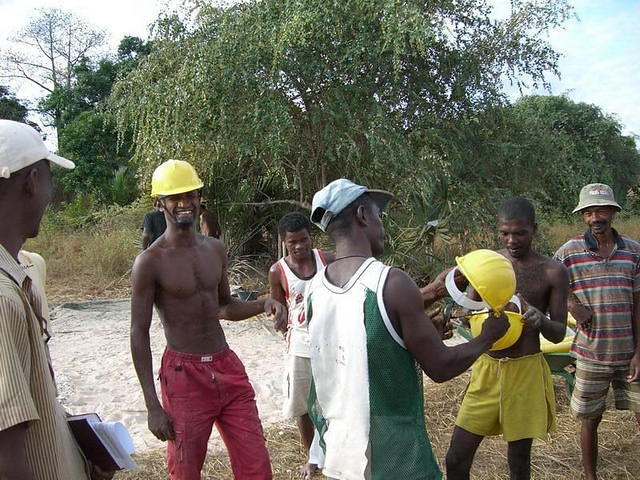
<point>367,329</point>
<point>35,441</point>
<point>604,275</point>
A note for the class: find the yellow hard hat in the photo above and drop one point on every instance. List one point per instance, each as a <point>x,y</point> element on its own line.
<point>491,275</point>
<point>173,177</point>
<point>509,338</point>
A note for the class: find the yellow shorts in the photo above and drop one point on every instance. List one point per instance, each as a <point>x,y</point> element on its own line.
<point>511,396</point>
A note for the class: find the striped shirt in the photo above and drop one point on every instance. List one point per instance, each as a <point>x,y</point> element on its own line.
<point>27,389</point>
<point>606,286</point>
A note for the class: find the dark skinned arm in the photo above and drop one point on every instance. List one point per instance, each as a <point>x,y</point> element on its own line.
<point>235,309</point>
<point>580,312</point>
<point>142,295</point>
<point>278,294</point>
<point>13,454</point>
<point>405,305</point>
<point>634,365</point>
<point>145,238</point>
<point>554,328</point>
<point>437,289</point>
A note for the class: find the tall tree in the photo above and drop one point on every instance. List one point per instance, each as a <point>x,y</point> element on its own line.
<point>271,99</point>
<point>306,90</point>
<point>88,135</point>
<point>47,51</point>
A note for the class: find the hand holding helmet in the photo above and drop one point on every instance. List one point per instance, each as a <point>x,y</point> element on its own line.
<point>492,277</point>
<point>495,326</point>
<point>532,317</point>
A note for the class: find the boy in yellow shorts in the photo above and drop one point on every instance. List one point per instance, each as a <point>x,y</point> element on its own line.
<point>511,391</point>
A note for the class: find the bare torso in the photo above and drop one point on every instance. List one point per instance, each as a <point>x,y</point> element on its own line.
<point>188,280</point>
<point>533,282</point>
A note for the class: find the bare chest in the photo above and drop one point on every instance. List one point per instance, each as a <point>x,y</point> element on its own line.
<point>533,284</point>
<point>184,274</point>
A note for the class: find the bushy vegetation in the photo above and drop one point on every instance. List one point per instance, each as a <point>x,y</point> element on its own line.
<point>272,99</point>
<point>89,249</point>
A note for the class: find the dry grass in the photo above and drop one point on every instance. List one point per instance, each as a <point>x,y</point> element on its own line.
<point>556,459</point>
<point>90,259</point>
<point>559,233</point>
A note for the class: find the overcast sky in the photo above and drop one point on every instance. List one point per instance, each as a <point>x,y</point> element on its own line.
<point>600,49</point>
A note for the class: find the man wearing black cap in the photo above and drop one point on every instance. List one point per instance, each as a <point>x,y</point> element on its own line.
<point>367,329</point>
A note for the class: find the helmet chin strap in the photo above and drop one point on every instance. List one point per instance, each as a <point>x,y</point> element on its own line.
<point>464,301</point>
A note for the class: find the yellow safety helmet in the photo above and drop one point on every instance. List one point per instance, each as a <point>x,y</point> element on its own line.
<point>491,275</point>
<point>513,333</point>
<point>173,177</point>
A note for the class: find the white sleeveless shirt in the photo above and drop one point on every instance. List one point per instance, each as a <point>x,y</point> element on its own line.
<point>294,288</point>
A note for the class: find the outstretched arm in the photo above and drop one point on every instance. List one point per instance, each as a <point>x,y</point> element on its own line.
<point>142,295</point>
<point>234,309</point>
<point>437,289</point>
<point>278,294</point>
<point>405,305</point>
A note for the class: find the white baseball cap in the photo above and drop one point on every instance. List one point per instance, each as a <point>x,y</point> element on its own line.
<point>336,196</point>
<point>21,146</point>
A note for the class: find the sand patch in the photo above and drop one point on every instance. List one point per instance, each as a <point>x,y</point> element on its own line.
<point>94,371</point>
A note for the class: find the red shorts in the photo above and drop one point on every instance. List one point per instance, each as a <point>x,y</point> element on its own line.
<point>199,390</point>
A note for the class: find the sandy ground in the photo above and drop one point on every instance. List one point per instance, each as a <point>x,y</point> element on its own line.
<point>94,371</point>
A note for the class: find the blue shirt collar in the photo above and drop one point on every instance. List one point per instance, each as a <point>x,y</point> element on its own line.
<point>592,242</point>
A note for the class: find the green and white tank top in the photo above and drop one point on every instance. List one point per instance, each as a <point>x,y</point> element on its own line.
<point>366,398</point>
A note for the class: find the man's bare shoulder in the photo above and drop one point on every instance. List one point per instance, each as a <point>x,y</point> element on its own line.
<point>399,287</point>
<point>214,244</point>
<point>556,271</point>
<point>147,257</point>
<point>145,264</point>
<point>275,268</point>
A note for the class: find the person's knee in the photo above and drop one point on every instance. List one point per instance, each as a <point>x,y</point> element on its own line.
<point>591,423</point>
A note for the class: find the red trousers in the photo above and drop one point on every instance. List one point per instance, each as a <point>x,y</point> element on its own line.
<point>199,390</point>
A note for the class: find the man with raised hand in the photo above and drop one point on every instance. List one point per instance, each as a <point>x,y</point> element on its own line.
<point>184,274</point>
<point>367,329</point>
<point>604,274</point>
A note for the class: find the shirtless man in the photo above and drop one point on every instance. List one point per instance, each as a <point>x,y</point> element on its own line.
<point>203,382</point>
<point>525,408</point>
